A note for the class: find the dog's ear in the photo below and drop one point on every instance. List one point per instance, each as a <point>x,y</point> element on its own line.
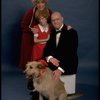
<point>43,62</point>
<point>39,66</point>
<point>26,65</point>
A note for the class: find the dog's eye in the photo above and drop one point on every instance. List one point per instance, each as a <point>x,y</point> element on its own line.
<point>31,67</point>
<point>39,66</point>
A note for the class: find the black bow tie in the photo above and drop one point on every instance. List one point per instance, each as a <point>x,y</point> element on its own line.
<point>58,31</point>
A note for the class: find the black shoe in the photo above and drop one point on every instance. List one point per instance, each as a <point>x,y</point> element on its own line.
<point>30,84</point>
<point>75,95</point>
<point>31,93</point>
<point>45,98</point>
<point>31,98</point>
<point>34,95</point>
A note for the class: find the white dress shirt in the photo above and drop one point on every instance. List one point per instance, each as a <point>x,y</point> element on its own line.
<point>42,28</point>
<point>58,35</point>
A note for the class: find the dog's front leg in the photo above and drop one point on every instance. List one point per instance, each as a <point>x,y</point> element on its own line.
<point>63,96</point>
<point>52,98</point>
<point>40,97</point>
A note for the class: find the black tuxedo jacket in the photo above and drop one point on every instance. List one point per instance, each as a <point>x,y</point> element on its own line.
<point>66,51</point>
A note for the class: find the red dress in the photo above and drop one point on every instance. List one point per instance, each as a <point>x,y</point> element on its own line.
<point>27,37</point>
<point>38,48</point>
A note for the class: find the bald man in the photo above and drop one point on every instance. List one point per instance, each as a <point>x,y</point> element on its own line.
<point>61,52</point>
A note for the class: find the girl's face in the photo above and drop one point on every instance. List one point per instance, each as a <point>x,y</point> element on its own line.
<point>43,21</point>
<point>41,5</point>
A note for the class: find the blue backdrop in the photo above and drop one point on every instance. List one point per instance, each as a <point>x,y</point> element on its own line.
<point>81,14</point>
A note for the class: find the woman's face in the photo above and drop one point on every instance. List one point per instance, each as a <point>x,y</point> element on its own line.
<point>41,5</point>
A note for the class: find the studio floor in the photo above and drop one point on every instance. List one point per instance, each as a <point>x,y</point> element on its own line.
<point>14,85</point>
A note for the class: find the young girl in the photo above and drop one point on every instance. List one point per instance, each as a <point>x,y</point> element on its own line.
<point>41,37</point>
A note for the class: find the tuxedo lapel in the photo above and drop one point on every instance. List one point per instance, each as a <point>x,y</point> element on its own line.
<point>54,39</point>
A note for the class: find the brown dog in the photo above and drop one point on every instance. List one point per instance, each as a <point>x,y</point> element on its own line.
<point>44,82</point>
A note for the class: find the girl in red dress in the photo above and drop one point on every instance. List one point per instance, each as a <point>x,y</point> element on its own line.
<point>41,36</point>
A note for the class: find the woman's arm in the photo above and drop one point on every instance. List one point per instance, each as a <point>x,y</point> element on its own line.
<point>26,21</point>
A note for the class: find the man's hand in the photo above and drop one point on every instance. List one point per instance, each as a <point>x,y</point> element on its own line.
<point>54,61</point>
<point>69,27</point>
<point>34,30</point>
<point>57,73</point>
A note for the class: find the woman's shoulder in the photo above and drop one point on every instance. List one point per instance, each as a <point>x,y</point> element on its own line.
<point>30,10</point>
<point>50,11</point>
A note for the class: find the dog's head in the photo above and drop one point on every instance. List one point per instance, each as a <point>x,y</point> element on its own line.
<point>33,69</point>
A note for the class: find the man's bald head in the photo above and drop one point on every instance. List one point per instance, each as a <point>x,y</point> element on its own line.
<point>57,19</point>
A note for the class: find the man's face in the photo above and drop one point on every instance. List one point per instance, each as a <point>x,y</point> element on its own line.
<point>57,20</point>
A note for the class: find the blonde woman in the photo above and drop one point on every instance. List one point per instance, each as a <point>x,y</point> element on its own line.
<point>28,22</point>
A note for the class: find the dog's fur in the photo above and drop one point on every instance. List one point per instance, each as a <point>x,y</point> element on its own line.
<point>44,82</point>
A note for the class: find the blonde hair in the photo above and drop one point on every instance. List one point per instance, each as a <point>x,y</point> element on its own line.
<point>38,1</point>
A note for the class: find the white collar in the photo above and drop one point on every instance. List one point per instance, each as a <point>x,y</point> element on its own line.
<point>43,29</point>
